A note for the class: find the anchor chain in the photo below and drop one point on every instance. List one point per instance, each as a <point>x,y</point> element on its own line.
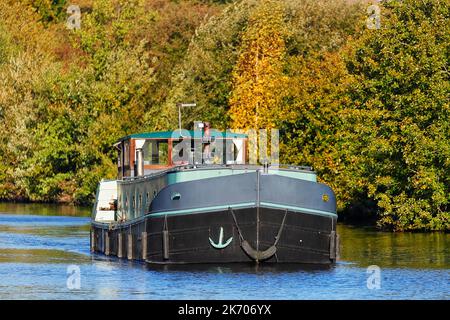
<point>256,254</point>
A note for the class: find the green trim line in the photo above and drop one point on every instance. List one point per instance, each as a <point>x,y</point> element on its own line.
<point>241,205</point>
<point>306,210</point>
<point>200,210</point>
<point>212,209</point>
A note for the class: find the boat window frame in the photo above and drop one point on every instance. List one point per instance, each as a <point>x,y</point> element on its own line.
<point>168,150</point>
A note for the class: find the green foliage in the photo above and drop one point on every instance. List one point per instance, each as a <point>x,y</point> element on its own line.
<point>86,110</point>
<point>66,102</point>
<point>368,109</point>
<point>372,118</point>
<point>25,58</point>
<point>204,75</point>
<point>49,10</point>
<point>398,126</point>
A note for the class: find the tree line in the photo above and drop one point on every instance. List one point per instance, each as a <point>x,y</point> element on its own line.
<point>367,108</point>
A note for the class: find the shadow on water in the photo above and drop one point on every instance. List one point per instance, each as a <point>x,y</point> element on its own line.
<point>246,268</point>
<point>39,242</point>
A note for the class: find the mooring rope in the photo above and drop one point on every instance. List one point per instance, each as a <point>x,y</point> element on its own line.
<point>277,238</point>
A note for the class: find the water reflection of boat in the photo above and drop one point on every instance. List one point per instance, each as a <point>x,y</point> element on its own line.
<point>247,268</point>
<point>175,202</point>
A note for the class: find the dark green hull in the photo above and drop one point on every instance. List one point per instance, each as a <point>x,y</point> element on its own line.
<point>243,217</point>
<point>302,238</point>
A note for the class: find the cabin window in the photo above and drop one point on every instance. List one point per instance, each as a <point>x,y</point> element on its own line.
<point>119,159</point>
<point>156,152</point>
<point>180,149</point>
<point>126,153</point>
<point>234,153</point>
<point>183,151</point>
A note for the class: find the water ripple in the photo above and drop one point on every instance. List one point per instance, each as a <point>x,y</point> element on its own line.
<point>35,252</point>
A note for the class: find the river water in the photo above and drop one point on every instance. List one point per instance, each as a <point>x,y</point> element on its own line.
<point>44,254</point>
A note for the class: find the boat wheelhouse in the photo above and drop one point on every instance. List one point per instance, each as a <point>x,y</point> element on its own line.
<point>158,149</point>
<point>192,197</point>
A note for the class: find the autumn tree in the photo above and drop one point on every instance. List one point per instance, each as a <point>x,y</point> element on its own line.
<point>26,54</point>
<point>67,95</point>
<point>311,125</point>
<point>259,83</point>
<point>204,74</point>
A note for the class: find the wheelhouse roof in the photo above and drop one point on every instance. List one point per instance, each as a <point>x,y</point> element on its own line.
<point>176,135</point>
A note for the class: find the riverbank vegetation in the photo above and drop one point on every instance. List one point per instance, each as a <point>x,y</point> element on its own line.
<point>366,107</point>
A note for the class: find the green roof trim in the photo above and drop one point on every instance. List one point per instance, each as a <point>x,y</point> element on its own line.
<point>176,135</point>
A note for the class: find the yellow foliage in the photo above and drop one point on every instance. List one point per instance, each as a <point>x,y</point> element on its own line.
<point>258,80</point>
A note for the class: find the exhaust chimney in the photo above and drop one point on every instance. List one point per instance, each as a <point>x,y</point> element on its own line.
<point>139,164</point>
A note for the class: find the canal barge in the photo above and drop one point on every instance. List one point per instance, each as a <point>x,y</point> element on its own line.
<point>173,207</point>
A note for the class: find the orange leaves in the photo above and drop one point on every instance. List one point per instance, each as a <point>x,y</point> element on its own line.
<point>258,79</point>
